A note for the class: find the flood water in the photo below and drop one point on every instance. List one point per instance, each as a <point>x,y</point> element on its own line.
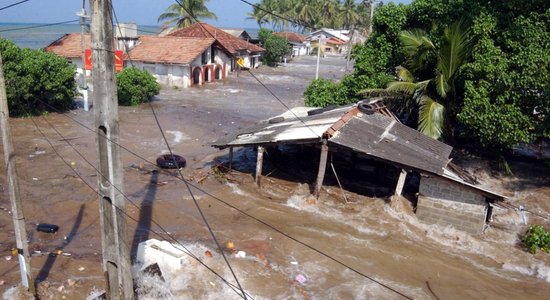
<point>295,247</point>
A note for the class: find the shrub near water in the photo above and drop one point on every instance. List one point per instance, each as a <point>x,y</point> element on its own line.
<point>537,238</point>
<point>324,92</point>
<point>36,81</point>
<point>136,86</point>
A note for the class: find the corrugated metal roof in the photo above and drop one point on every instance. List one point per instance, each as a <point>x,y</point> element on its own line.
<point>376,135</point>
<point>385,138</point>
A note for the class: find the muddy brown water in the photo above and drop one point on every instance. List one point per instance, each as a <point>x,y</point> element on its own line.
<point>384,246</point>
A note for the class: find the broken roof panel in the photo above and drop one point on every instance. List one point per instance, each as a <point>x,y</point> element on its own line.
<point>377,135</point>
<point>387,139</point>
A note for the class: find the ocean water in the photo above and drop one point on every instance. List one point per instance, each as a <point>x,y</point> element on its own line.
<point>26,35</point>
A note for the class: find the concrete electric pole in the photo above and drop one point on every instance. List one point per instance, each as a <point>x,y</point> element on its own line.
<point>83,84</point>
<point>116,253</point>
<point>13,189</point>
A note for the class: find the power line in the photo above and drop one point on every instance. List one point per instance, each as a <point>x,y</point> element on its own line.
<point>38,26</point>
<point>234,207</point>
<point>253,76</point>
<point>277,15</point>
<point>186,184</point>
<point>12,5</point>
<point>188,252</point>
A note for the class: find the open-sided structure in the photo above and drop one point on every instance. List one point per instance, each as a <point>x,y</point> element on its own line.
<point>445,196</point>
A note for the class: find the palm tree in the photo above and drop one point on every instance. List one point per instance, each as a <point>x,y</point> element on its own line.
<point>435,99</point>
<point>186,14</point>
<point>349,13</point>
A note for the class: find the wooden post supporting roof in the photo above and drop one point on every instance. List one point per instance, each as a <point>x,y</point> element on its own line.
<point>322,168</point>
<point>230,158</point>
<point>112,215</point>
<point>259,165</point>
<point>400,182</point>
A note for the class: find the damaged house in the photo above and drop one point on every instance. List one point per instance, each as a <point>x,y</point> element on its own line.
<point>445,195</point>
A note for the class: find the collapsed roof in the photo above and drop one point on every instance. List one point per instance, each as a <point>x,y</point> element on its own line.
<point>367,127</point>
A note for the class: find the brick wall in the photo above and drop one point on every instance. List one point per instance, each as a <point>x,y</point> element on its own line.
<point>447,203</point>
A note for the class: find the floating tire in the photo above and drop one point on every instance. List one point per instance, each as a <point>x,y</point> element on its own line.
<point>167,161</point>
<point>366,108</point>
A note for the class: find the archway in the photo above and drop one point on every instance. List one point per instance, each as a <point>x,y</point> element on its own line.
<point>208,73</point>
<point>218,72</point>
<point>196,76</point>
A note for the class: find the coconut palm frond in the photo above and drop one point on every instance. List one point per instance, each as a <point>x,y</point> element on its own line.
<point>408,88</point>
<point>431,117</point>
<point>442,85</point>
<point>417,47</point>
<point>375,92</point>
<point>455,50</point>
<point>405,75</point>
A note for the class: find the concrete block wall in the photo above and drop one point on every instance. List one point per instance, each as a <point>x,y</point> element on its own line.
<point>447,203</point>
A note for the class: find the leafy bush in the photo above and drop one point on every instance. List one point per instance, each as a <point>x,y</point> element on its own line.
<point>136,86</point>
<point>276,47</point>
<point>36,81</point>
<point>537,238</point>
<point>323,92</point>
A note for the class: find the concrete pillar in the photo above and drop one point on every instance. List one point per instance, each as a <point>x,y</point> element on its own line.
<point>322,168</point>
<point>259,165</point>
<point>400,182</point>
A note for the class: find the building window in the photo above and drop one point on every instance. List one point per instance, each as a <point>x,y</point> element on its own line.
<point>204,58</point>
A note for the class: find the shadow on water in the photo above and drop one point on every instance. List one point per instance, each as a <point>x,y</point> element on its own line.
<point>145,213</point>
<point>300,163</point>
<point>46,268</point>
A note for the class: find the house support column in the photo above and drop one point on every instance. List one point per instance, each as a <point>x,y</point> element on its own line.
<point>322,168</point>
<point>230,157</point>
<point>259,165</point>
<point>400,182</point>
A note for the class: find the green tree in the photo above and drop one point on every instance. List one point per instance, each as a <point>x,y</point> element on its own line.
<point>36,81</point>
<point>192,10</point>
<point>349,13</point>
<point>437,97</point>
<point>323,92</point>
<point>276,47</point>
<point>135,86</point>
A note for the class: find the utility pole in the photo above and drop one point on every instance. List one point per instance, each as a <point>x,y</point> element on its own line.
<point>318,56</point>
<point>83,84</point>
<point>348,55</point>
<point>116,254</point>
<point>371,16</point>
<point>13,189</point>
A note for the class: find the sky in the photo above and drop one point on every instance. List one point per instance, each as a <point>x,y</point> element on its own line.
<point>231,13</point>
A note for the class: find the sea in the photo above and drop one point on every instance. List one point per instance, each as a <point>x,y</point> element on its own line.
<point>38,36</point>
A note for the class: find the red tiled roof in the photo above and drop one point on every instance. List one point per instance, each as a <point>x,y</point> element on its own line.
<point>168,49</point>
<point>335,41</point>
<point>68,45</point>
<point>291,36</point>
<point>230,43</point>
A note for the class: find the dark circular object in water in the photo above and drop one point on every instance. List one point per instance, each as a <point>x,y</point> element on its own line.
<point>171,161</point>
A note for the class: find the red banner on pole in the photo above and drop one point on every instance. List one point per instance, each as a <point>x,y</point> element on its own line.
<point>119,60</point>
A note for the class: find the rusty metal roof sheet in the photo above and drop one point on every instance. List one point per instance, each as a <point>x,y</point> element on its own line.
<point>377,135</point>
<point>387,139</point>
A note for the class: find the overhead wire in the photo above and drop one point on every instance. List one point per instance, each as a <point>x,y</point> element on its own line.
<point>251,74</point>
<point>320,252</point>
<point>170,237</point>
<point>272,227</point>
<point>203,217</point>
<point>14,4</point>
<point>38,26</point>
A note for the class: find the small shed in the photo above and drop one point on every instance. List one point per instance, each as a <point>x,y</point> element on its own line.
<point>445,197</point>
